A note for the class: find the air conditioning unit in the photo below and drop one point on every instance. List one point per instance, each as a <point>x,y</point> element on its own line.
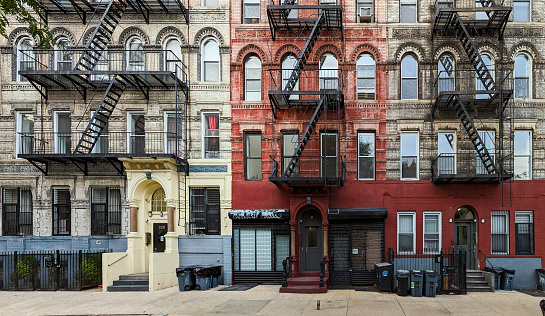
<point>365,15</point>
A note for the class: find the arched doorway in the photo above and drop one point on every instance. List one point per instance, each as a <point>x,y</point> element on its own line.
<point>311,244</point>
<point>465,234</point>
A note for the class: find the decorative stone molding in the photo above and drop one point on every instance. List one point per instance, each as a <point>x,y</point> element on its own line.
<point>206,32</point>
<point>167,32</point>
<point>447,48</point>
<point>365,48</point>
<point>410,125</point>
<point>525,124</point>
<point>17,33</point>
<point>453,125</point>
<point>285,49</point>
<point>251,49</point>
<point>491,49</point>
<point>408,48</point>
<point>524,47</point>
<point>328,48</point>
<point>62,32</point>
<point>133,31</point>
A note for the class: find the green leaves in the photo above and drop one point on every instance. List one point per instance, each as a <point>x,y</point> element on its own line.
<point>30,12</point>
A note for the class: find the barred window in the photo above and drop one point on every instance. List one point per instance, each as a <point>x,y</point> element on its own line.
<point>105,211</point>
<point>204,211</point>
<point>499,223</point>
<point>524,232</point>
<point>16,212</point>
<point>61,212</point>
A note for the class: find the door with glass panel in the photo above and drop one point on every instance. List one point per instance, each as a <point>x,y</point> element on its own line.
<point>465,234</point>
<point>446,153</point>
<point>311,245</point>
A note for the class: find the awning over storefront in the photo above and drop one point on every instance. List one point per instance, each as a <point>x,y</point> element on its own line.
<point>259,214</point>
<point>357,212</point>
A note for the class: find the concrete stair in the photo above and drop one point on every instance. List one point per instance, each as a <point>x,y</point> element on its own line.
<point>305,282</point>
<point>131,283</point>
<point>476,282</point>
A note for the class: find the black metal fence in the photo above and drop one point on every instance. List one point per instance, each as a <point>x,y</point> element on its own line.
<point>50,270</point>
<point>449,263</point>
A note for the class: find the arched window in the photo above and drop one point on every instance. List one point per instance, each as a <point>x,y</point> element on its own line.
<point>252,79</point>
<point>173,54</point>
<point>210,61</point>
<point>487,60</point>
<point>25,57</point>
<point>288,64</point>
<point>158,203</point>
<point>409,78</point>
<point>445,72</point>
<point>329,79</point>
<point>63,55</point>
<point>523,83</point>
<point>135,55</point>
<point>366,77</point>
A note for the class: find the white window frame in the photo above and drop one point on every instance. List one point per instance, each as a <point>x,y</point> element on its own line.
<point>203,133</point>
<point>18,131</point>
<point>413,214</point>
<point>401,73</point>
<point>440,232</point>
<point>362,7</point>
<point>167,139</point>
<point>507,224</point>
<point>204,61</point>
<point>478,83</point>
<point>135,64</point>
<point>446,81</point>
<point>529,154</point>
<point>372,156</point>
<point>440,135</point>
<point>286,74</point>
<point>374,78</point>
<point>252,58</point>
<point>130,129</point>
<point>407,3</point>
<point>170,56</point>
<point>101,138</point>
<point>417,155</point>
<point>489,141</point>
<point>61,57</point>
<point>56,130</point>
<point>251,19</point>
<point>529,71</point>
<point>20,56</point>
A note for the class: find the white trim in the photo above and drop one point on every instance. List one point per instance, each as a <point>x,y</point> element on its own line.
<point>507,224</point>
<point>203,131</point>
<point>454,150</point>
<point>374,155</point>
<point>439,218</point>
<point>401,76</point>
<point>529,153</point>
<point>417,155</point>
<point>529,64</point>
<point>18,131</point>
<point>322,156</point>
<point>130,127</point>
<point>56,129</point>
<point>413,214</point>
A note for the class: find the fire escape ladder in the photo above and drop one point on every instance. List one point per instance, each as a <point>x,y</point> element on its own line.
<point>467,122</point>
<point>101,36</point>
<point>306,136</point>
<point>305,53</point>
<point>99,121</point>
<point>286,12</point>
<point>472,53</point>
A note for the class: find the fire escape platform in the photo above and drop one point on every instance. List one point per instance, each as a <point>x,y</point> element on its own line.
<point>283,100</point>
<point>443,99</point>
<point>497,21</point>
<point>295,181</point>
<point>470,178</point>
<point>280,19</point>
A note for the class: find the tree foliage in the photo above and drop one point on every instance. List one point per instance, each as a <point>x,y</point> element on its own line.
<point>29,12</point>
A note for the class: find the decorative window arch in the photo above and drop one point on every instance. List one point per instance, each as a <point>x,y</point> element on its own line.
<point>25,56</point>
<point>445,73</point>
<point>488,61</point>
<point>523,77</point>
<point>366,77</point>
<point>252,79</point>
<point>158,203</point>
<point>173,54</point>
<point>329,78</point>
<point>210,66</point>
<point>409,78</point>
<point>135,54</point>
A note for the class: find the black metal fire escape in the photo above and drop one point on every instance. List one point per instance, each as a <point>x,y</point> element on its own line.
<point>451,20</point>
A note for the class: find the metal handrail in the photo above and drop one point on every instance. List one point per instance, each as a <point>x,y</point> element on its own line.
<point>111,264</point>
<point>286,273</point>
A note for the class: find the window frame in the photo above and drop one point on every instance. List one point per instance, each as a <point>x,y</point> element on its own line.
<point>486,136</point>
<point>205,4</point>
<point>454,159</point>
<point>365,4</point>
<point>108,213</point>
<point>324,158</point>
<point>208,215</point>
<point>439,231</point>
<point>171,59</point>
<point>286,74</point>
<point>407,4</point>
<point>478,83</point>
<point>66,139</point>
<point>136,140</point>
<point>528,77</point>
<point>249,59</point>
<point>21,58</point>
<point>253,19</point>
<point>55,217</point>
<point>133,62</point>
<point>286,158</point>
<point>529,12</point>
<point>531,232</point>
<point>404,78</point>
<point>204,123</point>
<point>248,157</point>
<point>446,81</point>
<point>528,154</point>
<point>401,155</point>
<point>374,78</point>
<point>206,61</point>
<point>20,228</point>
<point>506,233</point>
<point>170,140</point>
<point>21,139</point>
<point>413,215</point>
<point>373,156</point>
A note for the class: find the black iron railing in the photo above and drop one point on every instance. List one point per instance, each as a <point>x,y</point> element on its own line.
<point>310,167</point>
<point>310,81</point>
<point>322,272</point>
<point>467,82</point>
<point>286,273</point>
<point>467,164</point>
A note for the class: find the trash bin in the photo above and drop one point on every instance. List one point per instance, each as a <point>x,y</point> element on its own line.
<point>497,276</point>
<point>402,282</point>
<point>384,277</point>
<point>541,278</point>
<point>507,279</point>
<point>203,278</point>
<point>186,278</point>
<point>417,278</point>
<point>430,279</point>
<point>216,273</point>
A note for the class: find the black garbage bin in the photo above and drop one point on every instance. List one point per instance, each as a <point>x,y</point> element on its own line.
<point>186,278</point>
<point>216,273</point>
<point>507,279</point>
<point>430,279</point>
<point>203,277</point>
<point>497,276</point>
<point>541,278</point>
<point>417,280</point>
<point>384,276</point>
<point>402,282</point>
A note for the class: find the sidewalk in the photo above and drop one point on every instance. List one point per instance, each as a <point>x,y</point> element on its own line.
<point>263,300</point>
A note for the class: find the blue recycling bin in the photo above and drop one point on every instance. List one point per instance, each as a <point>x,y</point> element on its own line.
<point>186,278</point>
<point>430,279</point>
<point>417,280</point>
<point>507,279</point>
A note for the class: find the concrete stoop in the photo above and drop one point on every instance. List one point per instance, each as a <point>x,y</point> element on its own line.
<point>131,283</point>
<point>306,283</point>
<point>476,282</point>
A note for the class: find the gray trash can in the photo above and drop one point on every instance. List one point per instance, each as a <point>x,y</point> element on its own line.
<point>216,273</point>
<point>402,282</point>
<point>430,279</point>
<point>203,279</point>
<point>497,276</point>
<point>541,278</point>
<point>507,279</point>
<point>186,278</point>
<point>417,280</point>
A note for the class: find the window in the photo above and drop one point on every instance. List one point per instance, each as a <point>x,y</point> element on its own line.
<point>445,73</point>
<point>409,156</point>
<point>524,231</point>
<point>204,211</point>
<point>480,15</point>
<point>174,141</point>
<point>446,150</point>
<point>488,138</point>
<point>211,135</point>
<point>158,202</point>
<point>522,77</point>
<point>63,55</point>
<point>523,155</point>
<point>328,155</point>
<point>135,55</point>
<point>260,249</point>
<point>329,72</point>
<point>105,211</point>
<point>173,56</point>
<point>101,145</point>
<point>365,11</point>
<point>25,133</point>
<point>102,64</point>
<point>366,156</point>
<point>406,238</point>
<point>211,3</point>
<point>407,13</point>
<point>290,143</point>
<point>63,129</point>
<point>366,81</point>
<point>61,212</point>
<point>521,10</point>
<point>210,61</point>
<point>25,57</point>
<point>432,232</point>
<point>252,79</point>
<point>499,228</point>
<point>136,128</point>
<point>16,212</point>
<point>251,11</point>
<point>487,60</point>
<point>409,78</point>
<point>288,64</point>
<point>252,156</point>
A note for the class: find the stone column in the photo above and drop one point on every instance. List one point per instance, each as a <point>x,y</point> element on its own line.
<point>170,217</point>
<point>134,219</point>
